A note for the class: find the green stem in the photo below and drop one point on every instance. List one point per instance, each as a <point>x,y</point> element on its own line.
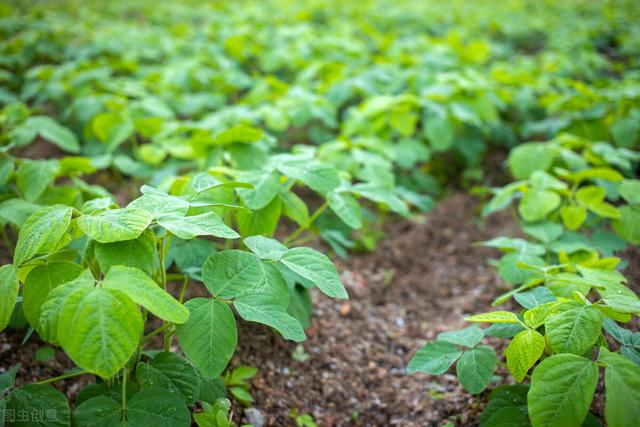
<point>302,240</point>
<point>515,215</point>
<point>155,332</point>
<point>167,340</point>
<point>162,275</point>
<point>124,393</point>
<point>184,289</point>
<point>300,229</point>
<point>63,377</point>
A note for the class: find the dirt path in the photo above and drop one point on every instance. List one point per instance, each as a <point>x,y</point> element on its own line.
<point>423,279</point>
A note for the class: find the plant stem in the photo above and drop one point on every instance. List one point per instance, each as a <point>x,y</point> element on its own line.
<point>167,340</point>
<point>162,275</point>
<point>184,288</point>
<point>155,332</point>
<point>124,393</point>
<point>302,240</point>
<point>63,376</point>
<point>300,229</point>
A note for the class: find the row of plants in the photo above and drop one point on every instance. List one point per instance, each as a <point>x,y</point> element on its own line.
<point>430,87</point>
<point>89,275</point>
<point>577,203</point>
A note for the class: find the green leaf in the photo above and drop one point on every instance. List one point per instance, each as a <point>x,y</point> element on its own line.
<point>294,208</point>
<point>434,358</point>
<point>475,368</point>
<point>440,133</point>
<point>102,389</point>
<point>623,303</point>
<point>523,351</point>
<point>189,255</point>
<point>42,232</point>
<point>8,379</point>
<point>378,194</point>
<point>534,297</point>
<point>212,390</point>
<point>622,383</point>
<point>605,173</point>
<point>562,388</point>
<point>209,419</point>
<point>171,372</point>
<point>573,331</point>
<point>520,246</point>
<point>140,253</point>
<point>319,177</point>
<point>511,269</point>
<point>143,290</point>
<point>264,308</point>
<point>265,248</point>
<point>242,373</point>
<point>142,409</point>
<point>263,221</point>
<point>40,399</point>
<point>51,308</point>
<point>227,274</point>
<point>6,170</point>
<point>40,281</point>
<point>546,232</point>
<point>622,335</point>
<point>160,204</point>
<point>573,216</point>
<point>266,188</point>
<point>100,411</point>
<point>507,407</point>
<point>403,121</point>
<point>34,176</point>
<point>115,225</point>
<point>239,133</point>
<point>590,195</point>
<point>628,226</point>
<point>188,227</point>
<point>605,210</point>
<point>112,128</point>
<point>209,337</point>
<point>502,198</point>
<point>629,189</point>
<point>535,205</point>
<point>317,268</point>
<point>99,328</point>
<point>157,407</point>
<point>467,337</point>
<point>16,211</point>
<point>528,158</point>
<point>300,305</point>
<point>503,330</point>
<point>346,207</point>
<point>9,291</point>
<point>241,394</point>
<point>631,353</point>
<point>625,132</point>
<point>53,132</point>
<point>536,316</point>
<point>494,317</point>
